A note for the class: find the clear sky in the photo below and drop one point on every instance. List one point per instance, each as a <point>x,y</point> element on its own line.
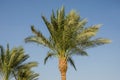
<point>103,62</point>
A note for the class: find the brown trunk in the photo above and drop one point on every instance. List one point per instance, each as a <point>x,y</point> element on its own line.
<point>63,67</point>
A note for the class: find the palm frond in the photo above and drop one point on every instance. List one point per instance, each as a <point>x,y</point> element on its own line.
<point>49,55</point>
<point>23,59</point>
<point>60,18</point>
<point>2,53</point>
<point>17,57</point>
<point>7,54</point>
<point>38,38</point>
<point>11,61</point>
<point>53,25</point>
<point>50,27</point>
<point>34,76</point>
<point>26,74</point>
<point>87,33</point>
<point>13,56</point>
<point>72,62</point>
<point>28,65</point>
<point>81,24</point>
<point>2,49</point>
<point>78,51</point>
<point>95,42</point>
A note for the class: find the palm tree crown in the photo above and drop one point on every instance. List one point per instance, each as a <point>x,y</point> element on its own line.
<point>68,36</point>
<point>12,61</point>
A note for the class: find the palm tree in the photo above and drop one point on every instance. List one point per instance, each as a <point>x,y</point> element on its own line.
<point>68,37</point>
<point>12,61</point>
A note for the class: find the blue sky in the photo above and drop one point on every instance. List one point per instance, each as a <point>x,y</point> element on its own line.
<point>103,62</point>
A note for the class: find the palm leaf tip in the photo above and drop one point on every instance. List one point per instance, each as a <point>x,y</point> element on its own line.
<point>72,63</point>
<point>108,41</point>
<point>48,56</point>
<point>37,33</point>
<point>105,41</point>
<point>98,25</point>
<point>27,39</point>
<point>33,29</point>
<point>33,64</point>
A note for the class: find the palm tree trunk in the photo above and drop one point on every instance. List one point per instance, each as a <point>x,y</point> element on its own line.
<point>63,67</point>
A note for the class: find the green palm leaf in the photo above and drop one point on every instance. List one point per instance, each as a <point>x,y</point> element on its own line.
<point>49,55</point>
<point>72,62</point>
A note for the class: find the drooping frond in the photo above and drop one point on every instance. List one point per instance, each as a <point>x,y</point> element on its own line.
<point>78,51</point>
<point>70,60</point>
<point>49,55</point>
